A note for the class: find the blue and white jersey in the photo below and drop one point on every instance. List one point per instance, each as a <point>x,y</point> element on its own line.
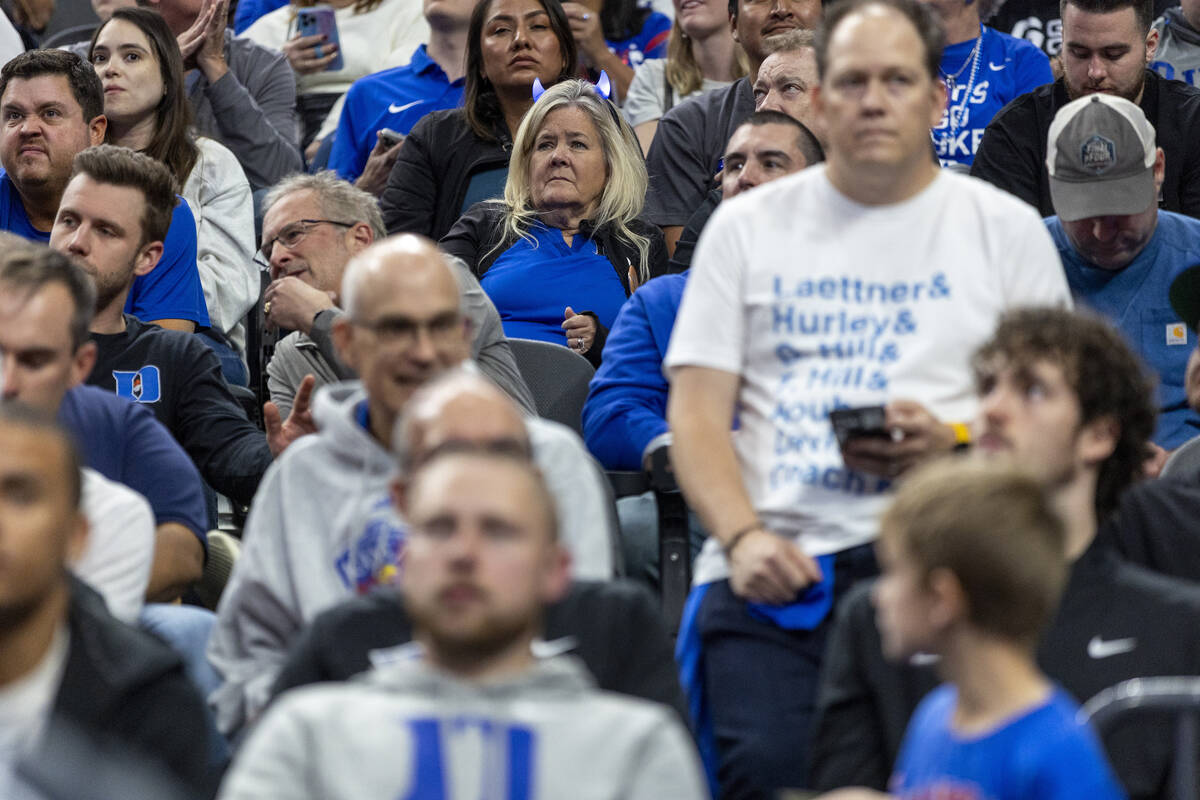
<point>982,76</point>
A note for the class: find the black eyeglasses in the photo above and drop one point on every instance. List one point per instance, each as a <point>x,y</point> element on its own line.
<point>291,236</point>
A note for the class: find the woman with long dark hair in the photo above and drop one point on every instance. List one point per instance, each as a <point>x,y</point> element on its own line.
<point>139,65</point>
<point>455,158</point>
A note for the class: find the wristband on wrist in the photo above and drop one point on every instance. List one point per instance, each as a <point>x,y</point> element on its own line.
<point>962,435</point>
<point>738,535</point>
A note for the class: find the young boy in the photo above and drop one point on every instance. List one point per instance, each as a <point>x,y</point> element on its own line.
<point>973,565</point>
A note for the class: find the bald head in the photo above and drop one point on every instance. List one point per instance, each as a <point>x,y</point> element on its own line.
<point>403,326</point>
<point>459,409</point>
<point>407,260</point>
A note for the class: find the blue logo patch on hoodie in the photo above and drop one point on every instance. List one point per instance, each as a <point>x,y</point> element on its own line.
<point>141,386</point>
<point>373,558</point>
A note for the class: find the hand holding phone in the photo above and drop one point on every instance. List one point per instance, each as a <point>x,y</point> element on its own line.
<point>864,421</point>
<point>315,47</point>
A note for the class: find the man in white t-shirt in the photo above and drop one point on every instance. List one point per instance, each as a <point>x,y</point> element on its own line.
<point>866,281</point>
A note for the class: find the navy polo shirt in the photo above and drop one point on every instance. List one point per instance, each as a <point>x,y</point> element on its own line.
<point>395,98</point>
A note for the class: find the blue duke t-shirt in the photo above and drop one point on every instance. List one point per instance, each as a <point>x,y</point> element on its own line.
<point>1004,69</point>
<point>170,291</point>
<point>1042,754</point>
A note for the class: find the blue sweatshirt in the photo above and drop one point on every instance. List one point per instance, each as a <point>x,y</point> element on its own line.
<point>627,402</point>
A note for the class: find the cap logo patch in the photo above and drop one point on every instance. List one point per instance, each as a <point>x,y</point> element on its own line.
<point>1098,154</point>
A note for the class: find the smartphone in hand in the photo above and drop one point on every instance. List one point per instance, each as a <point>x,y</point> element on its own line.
<point>850,423</point>
<point>320,20</point>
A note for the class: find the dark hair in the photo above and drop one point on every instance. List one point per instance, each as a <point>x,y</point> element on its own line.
<point>622,19</point>
<point>1142,9</point>
<point>1106,376</point>
<point>172,142</point>
<point>926,23</point>
<point>85,84</point>
<point>20,415</point>
<point>995,530</point>
<point>29,268</point>
<point>806,142</point>
<point>480,103</point>
<point>120,166</point>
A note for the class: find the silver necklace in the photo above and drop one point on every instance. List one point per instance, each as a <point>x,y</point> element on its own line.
<point>951,80</point>
<point>957,111</point>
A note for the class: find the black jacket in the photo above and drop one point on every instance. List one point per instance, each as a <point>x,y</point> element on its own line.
<point>1155,526</point>
<point>864,702</point>
<point>123,687</point>
<point>618,633</point>
<point>478,239</point>
<point>1012,153</point>
<point>428,183</point>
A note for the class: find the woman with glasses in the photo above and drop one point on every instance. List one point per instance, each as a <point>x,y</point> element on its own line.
<point>563,250</point>
<point>138,62</point>
<point>453,159</point>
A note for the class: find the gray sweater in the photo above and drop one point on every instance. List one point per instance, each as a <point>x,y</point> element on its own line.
<point>322,528</point>
<point>409,730</point>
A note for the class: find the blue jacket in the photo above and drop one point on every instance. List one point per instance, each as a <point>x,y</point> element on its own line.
<point>627,402</point>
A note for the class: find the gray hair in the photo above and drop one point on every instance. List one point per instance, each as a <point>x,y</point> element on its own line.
<point>338,199</point>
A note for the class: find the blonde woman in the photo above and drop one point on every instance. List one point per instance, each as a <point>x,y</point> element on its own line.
<point>564,249</point>
<point>701,55</point>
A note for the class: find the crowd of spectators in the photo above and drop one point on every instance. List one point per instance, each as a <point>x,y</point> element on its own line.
<point>348,381</point>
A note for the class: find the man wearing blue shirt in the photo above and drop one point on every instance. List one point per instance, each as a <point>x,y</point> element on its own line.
<point>397,98</point>
<point>46,355</point>
<point>53,107</point>
<point>1119,250</point>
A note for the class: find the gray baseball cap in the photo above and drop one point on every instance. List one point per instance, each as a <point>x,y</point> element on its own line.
<point>1100,156</point>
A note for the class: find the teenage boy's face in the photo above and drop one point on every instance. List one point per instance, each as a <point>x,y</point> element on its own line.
<point>1031,413</point>
<point>902,602</point>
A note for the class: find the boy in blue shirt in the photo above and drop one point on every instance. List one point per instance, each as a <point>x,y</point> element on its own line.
<point>973,565</point>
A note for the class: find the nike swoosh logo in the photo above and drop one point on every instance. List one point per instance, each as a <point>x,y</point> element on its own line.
<point>384,656</point>
<point>994,68</point>
<point>553,647</point>
<point>1098,648</point>
<point>395,109</point>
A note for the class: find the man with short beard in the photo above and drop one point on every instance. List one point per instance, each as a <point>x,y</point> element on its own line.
<point>1106,47</point>
<point>473,711</point>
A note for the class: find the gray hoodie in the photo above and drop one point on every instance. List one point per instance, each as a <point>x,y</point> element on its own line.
<point>322,528</point>
<point>408,730</point>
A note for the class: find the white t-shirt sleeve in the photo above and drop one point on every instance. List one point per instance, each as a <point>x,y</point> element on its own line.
<point>645,99</point>
<point>119,552</point>
<point>711,325</point>
<point>1037,277</point>
<point>11,45</point>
